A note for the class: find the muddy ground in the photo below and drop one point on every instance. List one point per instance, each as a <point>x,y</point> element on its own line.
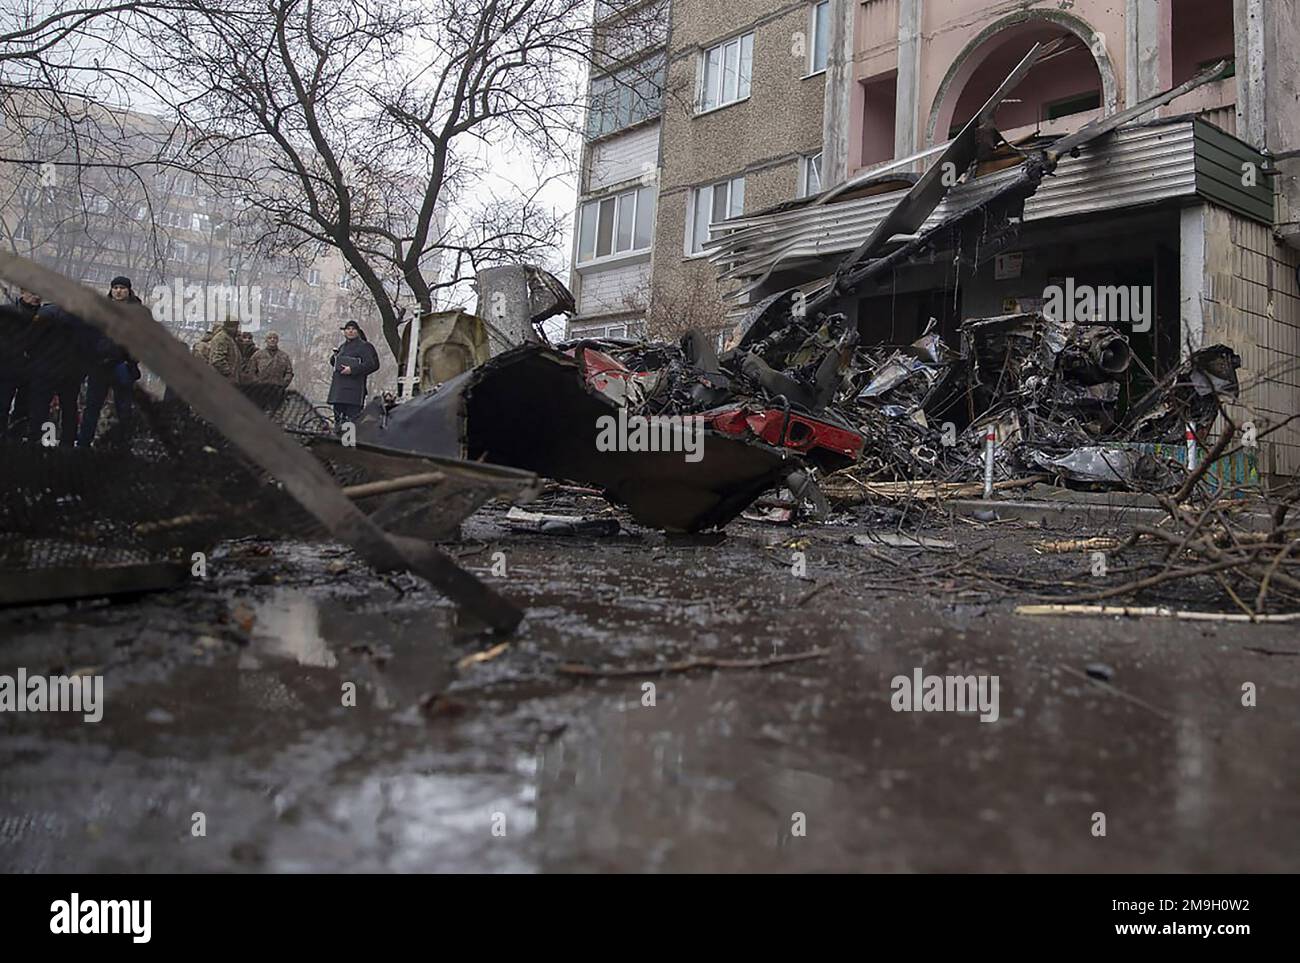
<point>226,699</point>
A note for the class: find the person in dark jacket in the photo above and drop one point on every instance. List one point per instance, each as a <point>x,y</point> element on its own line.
<point>112,368</point>
<point>60,354</point>
<point>16,336</point>
<point>352,362</point>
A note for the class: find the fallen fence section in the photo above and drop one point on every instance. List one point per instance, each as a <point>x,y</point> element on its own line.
<point>244,430</point>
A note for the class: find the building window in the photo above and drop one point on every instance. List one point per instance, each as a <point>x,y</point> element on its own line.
<point>1072,105</point>
<point>618,224</point>
<point>625,98</point>
<point>313,277</point>
<point>180,251</point>
<point>712,205</point>
<point>200,223</point>
<point>345,281</point>
<point>616,329</point>
<point>820,30</point>
<point>810,175</point>
<point>725,71</point>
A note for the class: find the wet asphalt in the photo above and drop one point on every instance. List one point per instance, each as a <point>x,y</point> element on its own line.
<point>294,712</point>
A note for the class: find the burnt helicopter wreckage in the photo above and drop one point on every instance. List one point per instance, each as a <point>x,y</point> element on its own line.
<point>796,396</point>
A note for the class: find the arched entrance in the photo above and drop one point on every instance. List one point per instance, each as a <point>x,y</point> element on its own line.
<point>1076,79</point>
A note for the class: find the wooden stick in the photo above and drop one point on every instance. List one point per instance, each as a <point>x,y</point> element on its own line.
<point>1153,610</point>
<point>693,662</point>
<point>370,489</point>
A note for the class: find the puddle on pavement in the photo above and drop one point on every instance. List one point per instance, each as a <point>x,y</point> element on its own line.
<point>288,624</point>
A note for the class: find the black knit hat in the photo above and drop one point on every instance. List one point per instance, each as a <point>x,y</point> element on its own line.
<point>122,280</point>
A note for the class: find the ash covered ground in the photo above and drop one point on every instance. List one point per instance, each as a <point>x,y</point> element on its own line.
<point>226,699</point>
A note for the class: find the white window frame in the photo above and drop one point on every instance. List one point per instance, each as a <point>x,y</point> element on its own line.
<point>808,165</point>
<point>720,97</point>
<point>625,98</point>
<point>813,37</point>
<point>345,281</point>
<point>646,194</point>
<point>606,330</point>
<point>180,251</point>
<point>705,196</point>
<point>313,277</point>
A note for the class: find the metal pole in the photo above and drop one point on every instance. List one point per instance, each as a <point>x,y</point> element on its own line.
<point>412,351</point>
<point>990,441</point>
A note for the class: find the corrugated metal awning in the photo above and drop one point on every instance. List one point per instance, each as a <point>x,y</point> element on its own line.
<point>1137,165</point>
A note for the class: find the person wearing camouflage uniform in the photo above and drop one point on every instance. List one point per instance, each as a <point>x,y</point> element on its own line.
<point>223,349</point>
<point>270,365</point>
<point>201,346</point>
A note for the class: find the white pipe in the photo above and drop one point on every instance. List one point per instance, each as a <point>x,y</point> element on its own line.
<point>990,440</point>
<point>411,354</point>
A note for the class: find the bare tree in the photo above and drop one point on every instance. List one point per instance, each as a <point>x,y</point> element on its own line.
<point>671,310</point>
<point>358,122</point>
<point>377,128</point>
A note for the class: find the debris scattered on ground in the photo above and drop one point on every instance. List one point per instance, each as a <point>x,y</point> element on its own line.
<point>901,540</point>
<point>545,524</point>
<point>487,655</point>
<point>686,665</point>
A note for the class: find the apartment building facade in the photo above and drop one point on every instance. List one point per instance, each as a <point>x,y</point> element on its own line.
<point>619,173</point>
<point>728,120</point>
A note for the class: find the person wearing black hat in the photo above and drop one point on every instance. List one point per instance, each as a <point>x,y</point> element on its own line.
<point>352,363</point>
<point>112,368</point>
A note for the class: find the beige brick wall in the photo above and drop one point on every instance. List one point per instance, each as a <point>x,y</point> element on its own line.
<point>761,138</point>
<point>1253,304</point>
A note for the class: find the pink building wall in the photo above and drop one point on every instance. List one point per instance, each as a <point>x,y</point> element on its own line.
<point>967,46</point>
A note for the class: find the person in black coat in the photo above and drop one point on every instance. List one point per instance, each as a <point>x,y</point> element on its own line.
<point>352,362</point>
<point>60,354</point>
<point>112,368</point>
<point>15,375</point>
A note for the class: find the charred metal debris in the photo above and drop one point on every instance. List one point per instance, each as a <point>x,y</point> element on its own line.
<point>797,397</point>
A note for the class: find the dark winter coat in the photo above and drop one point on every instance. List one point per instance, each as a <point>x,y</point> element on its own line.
<point>110,359</point>
<point>16,337</point>
<point>360,355</point>
<point>63,347</point>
